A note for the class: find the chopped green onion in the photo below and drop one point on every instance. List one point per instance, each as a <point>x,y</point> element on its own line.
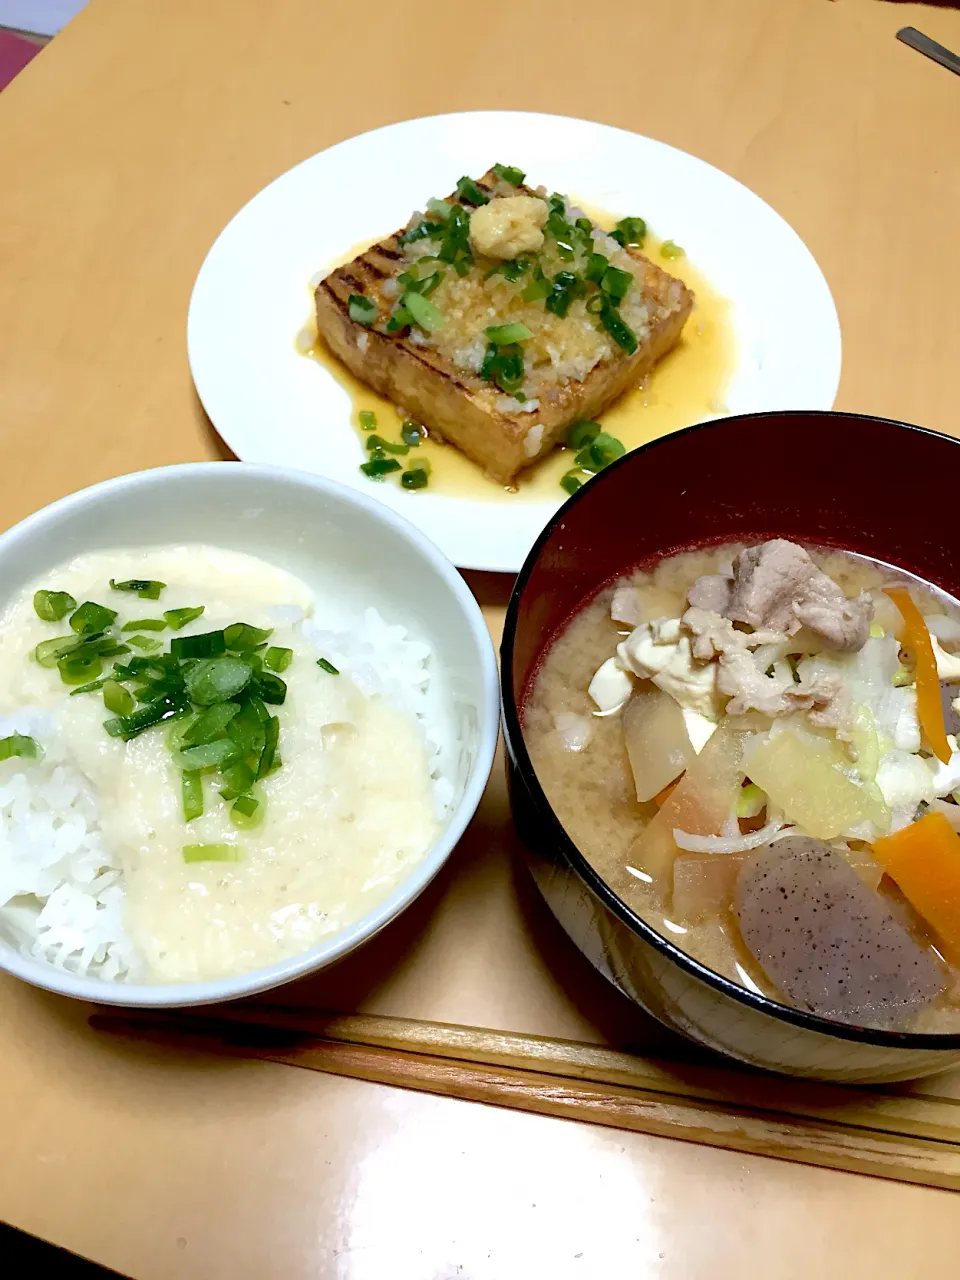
<point>51,606</point>
<point>616,283</point>
<point>504,366</point>
<point>411,433</point>
<point>135,668</point>
<point>509,173</point>
<point>596,267</point>
<point>572,481</point>
<point>191,794</point>
<point>210,755</point>
<point>268,754</point>
<point>502,335</point>
<point>630,231</point>
<point>377,442</point>
<point>145,624</point>
<point>114,650</point>
<point>211,853</point>
<point>362,310</point>
<point>277,658</point>
<point>439,208</point>
<point>217,679</point>
<point>469,191</point>
<point>241,635</point>
<point>379,468</point>
<point>246,729</point>
<point>538,287</point>
<point>400,319</point>
<point>248,810</point>
<point>48,652</point>
<point>157,712</point>
<point>582,433</point>
<point>424,313</point>
<point>238,779</point>
<point>416,478</point>
<point>118,699</point>
<point>618,328</point>
<point>600,452</point>
<point>209,725</point>
<point>149,644</point>
<point>420,231</point>
<point>327,666</point>
<point>76,669</point>
<point>146,588</point>
<point>455,246</point>
<point>19,744</point>
<point>670,250</point>
<point>511,270</point>
<point>422,284</point>
<point>178,618</point>
<point>368,420</point>
<point>563,233</point>
<point>92,687</point>
<point>100,642</point>
<point>92,617</point>
<point>206,645</point>
<point>563,289</point>
<point>270,687</point>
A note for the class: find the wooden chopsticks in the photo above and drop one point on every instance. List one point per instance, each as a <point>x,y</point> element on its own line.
<point>889,1132</point>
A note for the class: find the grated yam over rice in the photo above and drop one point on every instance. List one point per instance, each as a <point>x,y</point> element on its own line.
<point>61,886</point>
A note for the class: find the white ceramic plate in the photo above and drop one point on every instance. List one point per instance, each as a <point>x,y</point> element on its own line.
<point>251,298</point>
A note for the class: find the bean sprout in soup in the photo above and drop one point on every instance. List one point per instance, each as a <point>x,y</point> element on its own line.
<point>756,748</point>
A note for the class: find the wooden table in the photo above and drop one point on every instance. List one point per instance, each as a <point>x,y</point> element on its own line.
<point>124,148</point>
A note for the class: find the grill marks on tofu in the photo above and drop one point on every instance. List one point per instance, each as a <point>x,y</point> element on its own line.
<point>451,400</point>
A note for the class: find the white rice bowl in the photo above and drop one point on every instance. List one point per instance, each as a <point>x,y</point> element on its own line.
<point>61,885</point>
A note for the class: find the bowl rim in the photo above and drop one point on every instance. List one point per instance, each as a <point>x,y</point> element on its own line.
<point>44,974</point>
<point>517,750</point>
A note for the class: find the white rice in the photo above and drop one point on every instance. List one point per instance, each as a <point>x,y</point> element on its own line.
<point>61,894</point>
<point>382,658</point>
<point>61,887</point>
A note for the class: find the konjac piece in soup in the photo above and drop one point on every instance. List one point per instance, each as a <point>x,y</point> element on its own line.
<point>756,747</point>
<point>203,771</point>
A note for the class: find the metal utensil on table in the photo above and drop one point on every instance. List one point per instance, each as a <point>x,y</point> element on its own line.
<point>925,45</point>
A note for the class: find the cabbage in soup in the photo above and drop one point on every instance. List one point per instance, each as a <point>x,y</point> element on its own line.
<point>756,747</point>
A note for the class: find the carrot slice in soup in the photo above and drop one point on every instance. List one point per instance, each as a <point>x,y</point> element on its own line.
<point>924,860</point>
<point>929,706</point>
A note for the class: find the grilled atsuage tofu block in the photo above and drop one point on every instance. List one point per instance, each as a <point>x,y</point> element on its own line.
<point>573,367</point>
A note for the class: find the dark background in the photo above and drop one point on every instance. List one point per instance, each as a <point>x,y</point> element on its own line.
<point>22,1251</point>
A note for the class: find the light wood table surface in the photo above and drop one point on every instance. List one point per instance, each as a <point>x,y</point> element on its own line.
<point>124,148</point>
